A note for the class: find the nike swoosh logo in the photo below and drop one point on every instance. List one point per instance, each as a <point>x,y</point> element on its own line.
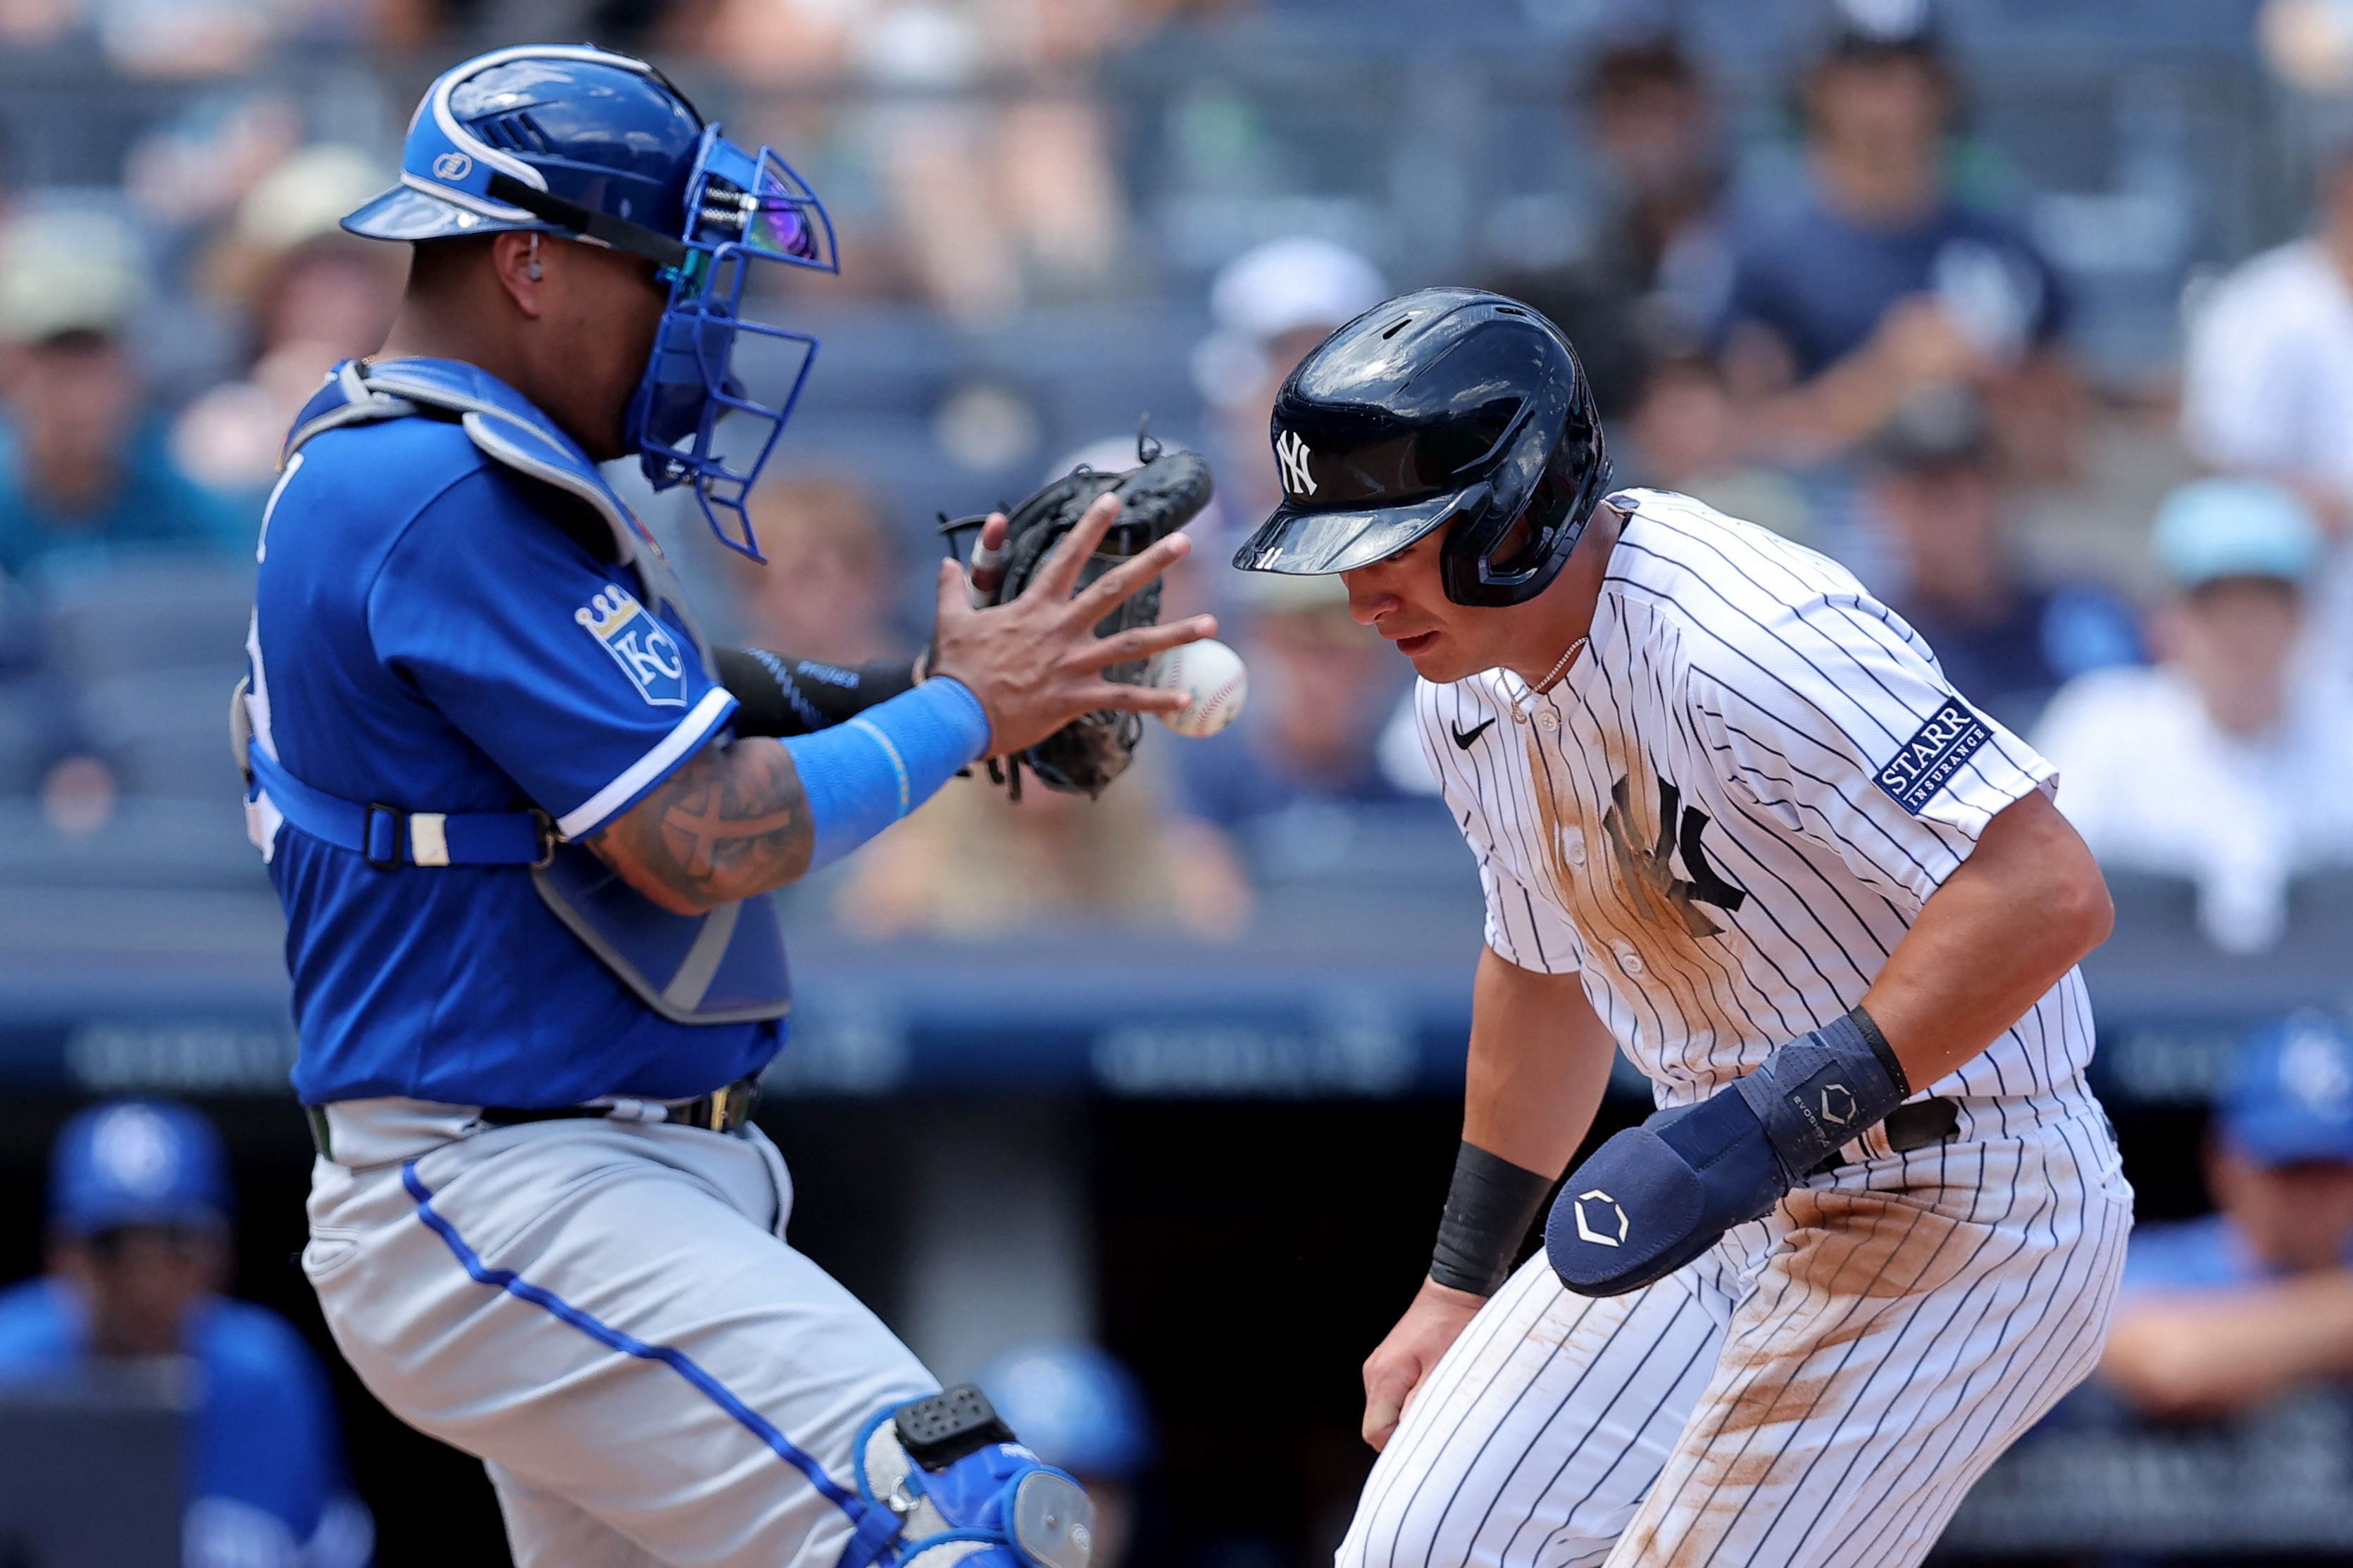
<point>1465,738</point>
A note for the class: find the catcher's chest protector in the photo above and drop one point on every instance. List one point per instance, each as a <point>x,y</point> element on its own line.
<point>726,966</point>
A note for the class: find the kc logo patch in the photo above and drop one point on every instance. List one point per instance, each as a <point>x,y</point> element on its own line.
<point>453,167</point>
<point>1929,759</point>
<point>1291,451</point>
<point>639,644</point>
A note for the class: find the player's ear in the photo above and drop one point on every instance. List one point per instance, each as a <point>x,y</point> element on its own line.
<point>520,262</point>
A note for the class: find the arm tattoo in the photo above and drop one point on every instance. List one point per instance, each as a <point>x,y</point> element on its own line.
<point>730,823</point>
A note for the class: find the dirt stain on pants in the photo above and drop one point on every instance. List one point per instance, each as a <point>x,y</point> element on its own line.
<point>1832,1354</point>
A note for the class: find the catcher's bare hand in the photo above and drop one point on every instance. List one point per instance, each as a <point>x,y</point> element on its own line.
<point>1035,663</point>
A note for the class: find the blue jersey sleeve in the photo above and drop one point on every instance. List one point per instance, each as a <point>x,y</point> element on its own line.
<point>2191,1254</point>
<point>543,656</point>
<point>267,1433</point>
<point>40,1332</point>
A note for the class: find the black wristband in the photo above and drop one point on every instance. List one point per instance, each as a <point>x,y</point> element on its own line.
<point>779,694</point>
<point>1881,1049</point>
<point>1488,1210</point>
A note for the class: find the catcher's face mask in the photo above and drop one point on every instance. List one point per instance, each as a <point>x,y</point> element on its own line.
<point>743,210</point>
<point>601,148</point>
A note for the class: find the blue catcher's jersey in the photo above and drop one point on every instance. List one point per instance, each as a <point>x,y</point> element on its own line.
<point>437,632</point>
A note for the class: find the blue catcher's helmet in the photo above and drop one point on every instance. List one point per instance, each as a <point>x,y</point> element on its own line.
<point>1074,1405</point>
<point>138,1162</point>
<point>598,147</point>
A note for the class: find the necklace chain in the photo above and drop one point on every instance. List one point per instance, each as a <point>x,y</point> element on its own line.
<point>1519,710</point>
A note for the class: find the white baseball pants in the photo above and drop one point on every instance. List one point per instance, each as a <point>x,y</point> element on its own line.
<point>1819,1392</point>
<point>608,1316</point>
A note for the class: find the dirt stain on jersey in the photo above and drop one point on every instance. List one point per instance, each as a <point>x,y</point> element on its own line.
<point>1739,1454</point>
<point>1580,1327</point>
<point>1645,924</point>
<point>1662,897</point>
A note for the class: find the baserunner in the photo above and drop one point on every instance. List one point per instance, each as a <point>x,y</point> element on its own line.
<point>1732,820</point>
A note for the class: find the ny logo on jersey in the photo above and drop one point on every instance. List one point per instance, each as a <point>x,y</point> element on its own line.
<point>1649,873</point>
<point>1291,451</point>
<point>639,644</point>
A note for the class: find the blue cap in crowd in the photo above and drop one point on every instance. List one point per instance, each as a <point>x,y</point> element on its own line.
<point>137,1162</point>
<point>2210,529</point>
<point>1073,1406</point>
<point>2289,1097</point>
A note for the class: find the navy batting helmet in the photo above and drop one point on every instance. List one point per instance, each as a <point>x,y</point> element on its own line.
<point>600,148</point>
<point>1443,405</point>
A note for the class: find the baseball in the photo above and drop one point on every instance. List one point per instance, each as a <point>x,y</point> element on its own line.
<point>1213,673</point>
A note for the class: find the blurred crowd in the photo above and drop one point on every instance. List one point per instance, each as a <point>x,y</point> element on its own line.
<point>1857,344</point>
<point>1863,348</point>
<point>131,1313</point>
<point>2148,579</point>
<point>2219,1428</point>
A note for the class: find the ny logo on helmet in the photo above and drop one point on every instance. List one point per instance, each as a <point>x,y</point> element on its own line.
<point>453,167</point>
<point>1291,452</point>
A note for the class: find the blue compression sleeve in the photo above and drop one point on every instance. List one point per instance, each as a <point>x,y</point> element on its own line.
<point>864,775</point>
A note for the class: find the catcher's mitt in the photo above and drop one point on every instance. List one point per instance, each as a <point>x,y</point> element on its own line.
<point>1157,497</point>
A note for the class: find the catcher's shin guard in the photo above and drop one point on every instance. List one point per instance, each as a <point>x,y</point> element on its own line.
<point>961,1491</point>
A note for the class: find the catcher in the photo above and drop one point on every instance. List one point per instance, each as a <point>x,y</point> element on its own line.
<point>522,821</point>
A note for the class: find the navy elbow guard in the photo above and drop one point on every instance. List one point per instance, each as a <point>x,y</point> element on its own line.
<point>1656,1196</point>
<point>862,776</point>
<point>945,1482</point>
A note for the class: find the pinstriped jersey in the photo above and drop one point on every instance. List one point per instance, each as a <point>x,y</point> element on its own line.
<point>1734,805</point>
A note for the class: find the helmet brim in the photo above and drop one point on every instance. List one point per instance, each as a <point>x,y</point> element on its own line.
<point>404,212</point>
<point>1305,541</point>
<point>116,1211</point>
